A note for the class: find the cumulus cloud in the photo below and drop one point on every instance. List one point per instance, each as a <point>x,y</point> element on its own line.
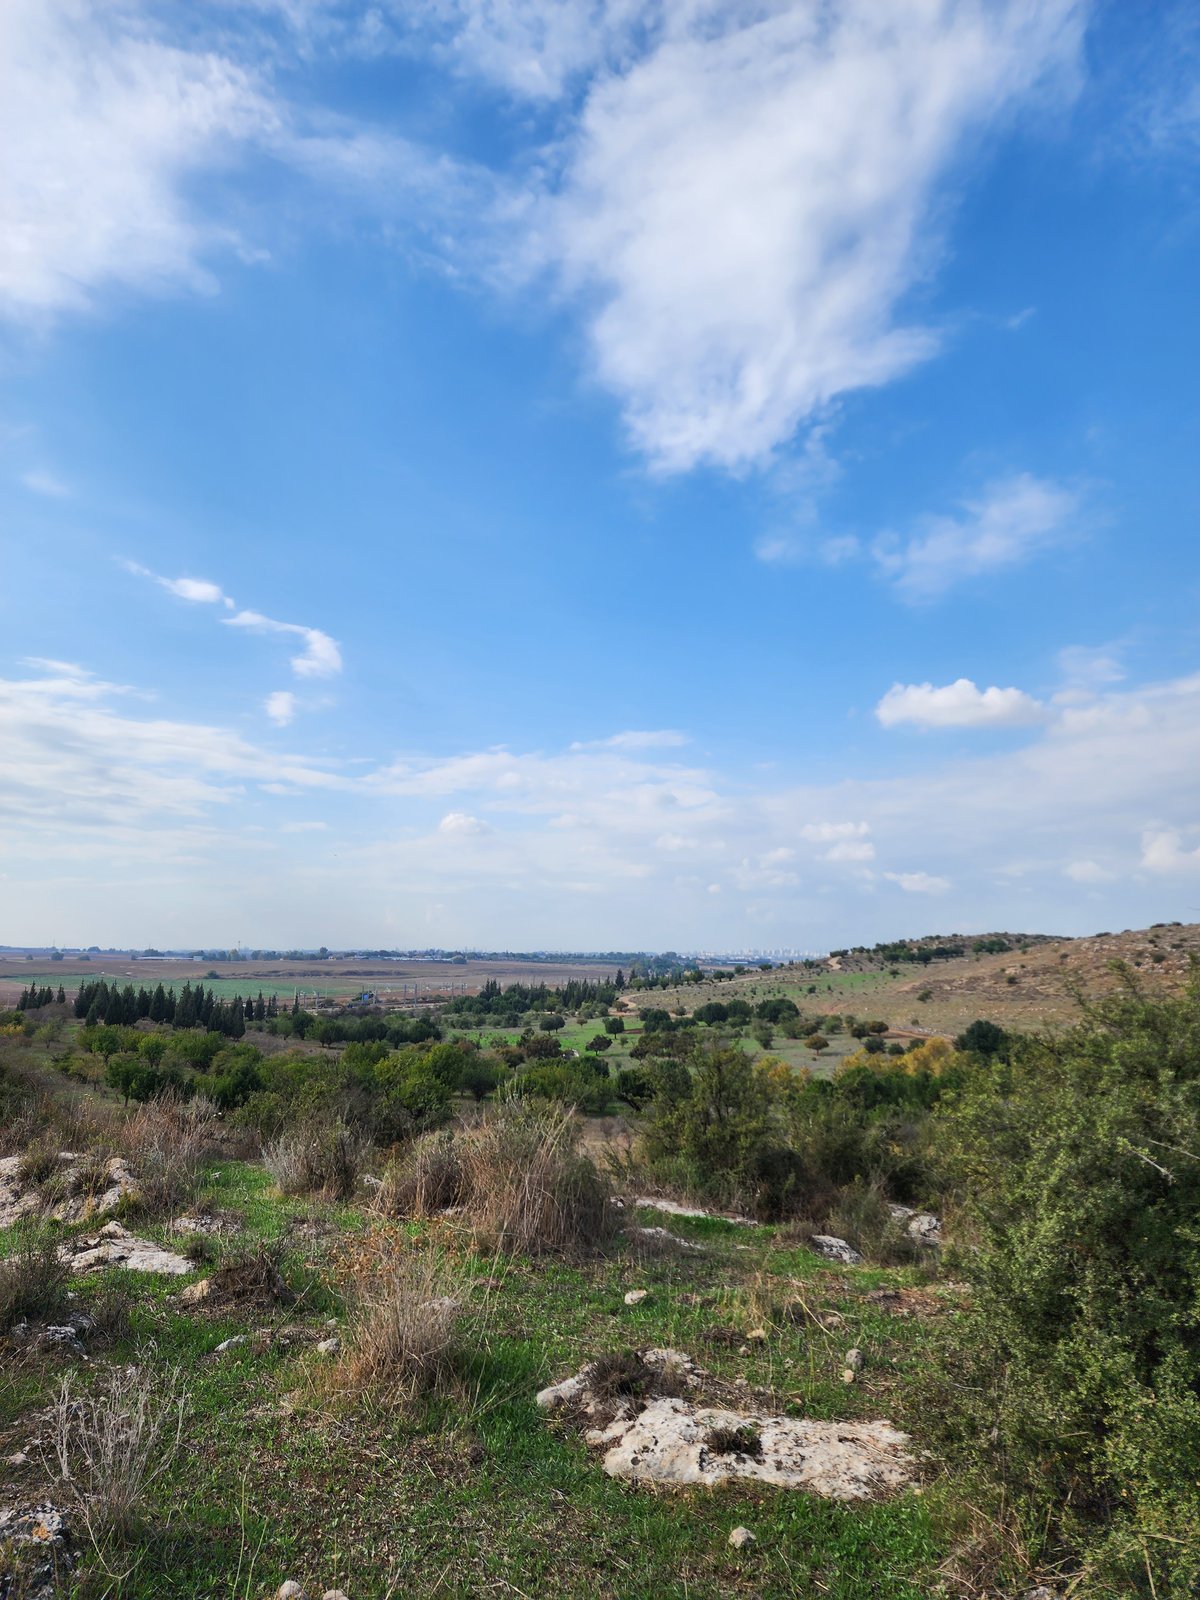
<point>957,705</point>
<point>462,824</point>
<point>1163,851</point>
<point>919,882</point>
<point>1013,521</point>
<point>280,707</point>
<point>319,656</point>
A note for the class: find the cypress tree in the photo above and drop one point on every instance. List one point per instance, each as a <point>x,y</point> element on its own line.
<point>158,1005</point>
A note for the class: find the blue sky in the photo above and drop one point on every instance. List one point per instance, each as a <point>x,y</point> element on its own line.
<point>709,475</point>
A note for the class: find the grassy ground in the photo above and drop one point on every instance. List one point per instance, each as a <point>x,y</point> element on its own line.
<point>475,1492</point>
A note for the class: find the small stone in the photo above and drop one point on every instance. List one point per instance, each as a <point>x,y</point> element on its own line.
<point>854,1359</point>
<point>743,1349</point>
<point>329,1347</point>
<point>636,1296</point>
<point>17,1459</point>
<point>289,1590</point>
<point>757,1336</point>
<point>848,1375</point>
<point>335,1594</point>
<point>835,1249</point>
<point>741,1537</point>
<point>230,1344</point>
<point>196,1293</point>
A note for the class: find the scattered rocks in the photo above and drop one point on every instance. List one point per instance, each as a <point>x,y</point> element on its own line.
<point>330,1346</point>
<point>290,1590</point>
<point>741,1537</point>
<point>636,1296</point>
<point>115,1246</point>
<point>835,1249</point>
<point>666,1437</point>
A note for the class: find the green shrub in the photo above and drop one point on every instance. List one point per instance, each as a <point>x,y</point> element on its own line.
<point>1078,1366</point>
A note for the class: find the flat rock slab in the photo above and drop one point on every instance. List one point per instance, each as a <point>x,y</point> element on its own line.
<point>115,1246</point>
<point>663,1438</point>
<point>672,1208</point>
<point>666,1444</point>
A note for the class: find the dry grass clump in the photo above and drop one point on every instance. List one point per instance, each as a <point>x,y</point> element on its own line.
<point>113,1445</point>
<point>252,1279</point>
<point>324,1159</point>
<point>39,1162</point>
<point>166,1143</point>
<point>427,1179</point>
<point>405,1330</point>
<point>520,1174</point>
<point>743,1440</point>
<point>33,1281</point>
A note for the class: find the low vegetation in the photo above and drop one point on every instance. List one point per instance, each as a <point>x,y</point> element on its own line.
<point>399,1240</point>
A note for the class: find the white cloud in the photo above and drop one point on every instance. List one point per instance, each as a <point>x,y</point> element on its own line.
<point>280,707</point>
<point>462,824</point>
<point>320,656</point>
<point>1015,520</point>
<point>957,705</point>
<point>851,850</point>
<point>1087,872</point>
<point>1163,851</point>
<point>102,125</point>
<point>199,591</point>
<point>833,832</point>
<point>919,882</point>
<point>745,202</point>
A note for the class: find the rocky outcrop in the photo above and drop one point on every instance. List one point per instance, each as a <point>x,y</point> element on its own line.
<point>80,1189</point>
<point>115,1246</point>
<point>920,1225</point>
<point>676,1439</point>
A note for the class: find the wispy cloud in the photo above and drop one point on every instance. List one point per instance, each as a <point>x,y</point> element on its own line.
<point>957,705</point>
<point>319,656</point>
<point>38,481</point>
<point>1013,521</point>
<point>636,739</point>
<point>199,591</point>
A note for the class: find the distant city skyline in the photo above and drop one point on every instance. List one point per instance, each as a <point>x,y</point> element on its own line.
<point>573,476</point>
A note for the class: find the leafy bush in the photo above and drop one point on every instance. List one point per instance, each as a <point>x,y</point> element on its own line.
<point>1078,1166</point>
